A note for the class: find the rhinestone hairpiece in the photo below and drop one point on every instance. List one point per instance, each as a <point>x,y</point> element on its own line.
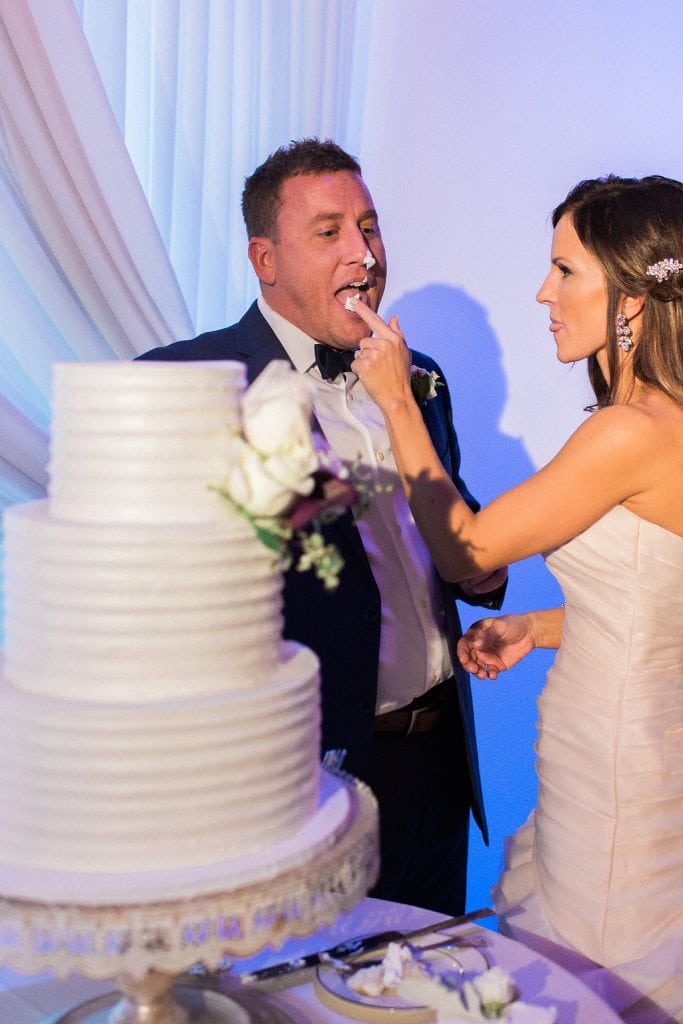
<point>664,269</point>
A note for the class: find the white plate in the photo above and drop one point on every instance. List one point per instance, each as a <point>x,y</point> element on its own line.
<point>333,991</point>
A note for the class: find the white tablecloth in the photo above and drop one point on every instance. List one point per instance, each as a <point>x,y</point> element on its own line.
<point>31,1000</point>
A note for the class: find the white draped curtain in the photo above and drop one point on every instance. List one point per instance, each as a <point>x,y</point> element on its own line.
<point>85,272</point>
<point>202,91</point>
<point>126,131</point>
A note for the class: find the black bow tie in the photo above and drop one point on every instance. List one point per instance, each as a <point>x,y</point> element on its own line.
<point>333,361</point>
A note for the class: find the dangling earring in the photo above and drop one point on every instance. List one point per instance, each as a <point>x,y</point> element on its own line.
<point>624,339</point>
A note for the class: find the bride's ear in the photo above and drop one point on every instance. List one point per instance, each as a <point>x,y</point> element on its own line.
<point>631,305</point>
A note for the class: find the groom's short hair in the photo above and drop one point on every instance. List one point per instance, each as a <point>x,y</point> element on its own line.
<point>261,198</point>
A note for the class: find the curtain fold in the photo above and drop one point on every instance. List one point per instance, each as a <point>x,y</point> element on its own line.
<point>68,161</point>
<point>209,88</point>
<point>84,272</point>
<point>126,132</point>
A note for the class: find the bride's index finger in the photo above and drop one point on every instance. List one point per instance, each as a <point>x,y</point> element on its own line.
<point>372,319</point>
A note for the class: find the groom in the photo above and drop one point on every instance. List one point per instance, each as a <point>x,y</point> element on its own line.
<point>393,694</point>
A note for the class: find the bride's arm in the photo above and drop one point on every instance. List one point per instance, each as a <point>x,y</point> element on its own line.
<point>602,464</point>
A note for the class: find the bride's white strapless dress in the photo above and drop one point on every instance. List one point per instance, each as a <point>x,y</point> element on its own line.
<point>595,877</point>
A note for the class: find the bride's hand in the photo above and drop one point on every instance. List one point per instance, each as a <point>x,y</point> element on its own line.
<point>383,361</point>
<point>492,645</point>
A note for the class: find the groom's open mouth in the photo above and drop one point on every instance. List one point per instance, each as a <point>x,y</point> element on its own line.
<point>352,292</point>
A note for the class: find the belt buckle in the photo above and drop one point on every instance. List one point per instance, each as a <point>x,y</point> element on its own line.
<point>415,717</point>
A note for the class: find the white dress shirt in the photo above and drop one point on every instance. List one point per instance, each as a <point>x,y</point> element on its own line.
<point>413,651</point>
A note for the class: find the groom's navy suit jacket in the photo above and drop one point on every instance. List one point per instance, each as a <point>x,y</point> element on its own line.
<point>343,627</point>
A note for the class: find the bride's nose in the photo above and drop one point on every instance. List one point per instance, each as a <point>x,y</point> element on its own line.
<point>544,294</point>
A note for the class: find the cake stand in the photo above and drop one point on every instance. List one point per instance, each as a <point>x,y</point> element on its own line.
<point>146,946</point>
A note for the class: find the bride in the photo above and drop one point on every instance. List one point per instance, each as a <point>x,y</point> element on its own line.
<point>594,878</point>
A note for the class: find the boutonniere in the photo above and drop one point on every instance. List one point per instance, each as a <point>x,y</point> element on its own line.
<point>423,384</point>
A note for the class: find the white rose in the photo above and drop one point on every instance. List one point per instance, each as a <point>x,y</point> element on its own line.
<point>293,468</point>
<point>495,989</point>
<point>261,485</point>
<point>423,383</point>
<point>276,410</point>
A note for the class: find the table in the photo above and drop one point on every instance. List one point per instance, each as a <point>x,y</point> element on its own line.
<point>40,1000</point>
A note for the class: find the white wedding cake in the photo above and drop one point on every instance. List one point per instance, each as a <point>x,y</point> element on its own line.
<point>155,733</point>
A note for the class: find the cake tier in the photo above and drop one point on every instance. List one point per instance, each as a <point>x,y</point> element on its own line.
<point>141,442</point>
<point>123,612</point>
<point>341,806</point>
<point>127,788</point>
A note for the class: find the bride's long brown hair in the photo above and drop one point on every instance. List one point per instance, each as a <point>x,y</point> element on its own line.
<point>629,224</point>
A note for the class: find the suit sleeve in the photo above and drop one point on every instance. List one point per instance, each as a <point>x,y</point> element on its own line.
<point>438,415</point>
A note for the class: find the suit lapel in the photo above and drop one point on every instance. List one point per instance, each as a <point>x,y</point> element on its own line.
<point>257,343</point>
<point>435,422</point>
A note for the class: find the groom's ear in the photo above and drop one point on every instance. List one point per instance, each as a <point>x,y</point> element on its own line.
<point>261,259</point>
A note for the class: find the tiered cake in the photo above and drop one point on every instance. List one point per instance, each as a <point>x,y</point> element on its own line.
<point>151,721</point>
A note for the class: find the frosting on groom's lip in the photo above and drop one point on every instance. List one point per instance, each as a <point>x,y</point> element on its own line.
<point>353,292</point>
<point>352,300</point>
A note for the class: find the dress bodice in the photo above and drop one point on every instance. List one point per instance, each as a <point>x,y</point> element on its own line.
<point>622,579</point>
<point>608,848</point>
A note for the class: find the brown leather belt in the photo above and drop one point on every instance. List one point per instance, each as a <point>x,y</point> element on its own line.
<point>420,716</point>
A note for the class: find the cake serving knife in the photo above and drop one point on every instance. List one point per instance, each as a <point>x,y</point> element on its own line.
<point>349,949</point>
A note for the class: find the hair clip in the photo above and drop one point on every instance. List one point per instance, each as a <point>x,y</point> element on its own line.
<point>664,269</point>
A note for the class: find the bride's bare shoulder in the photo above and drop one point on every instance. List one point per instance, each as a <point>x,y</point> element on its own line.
<point>633,448</point>
<point>641,422</point>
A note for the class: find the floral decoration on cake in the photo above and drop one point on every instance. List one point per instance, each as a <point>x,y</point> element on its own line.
<point>283,479</point>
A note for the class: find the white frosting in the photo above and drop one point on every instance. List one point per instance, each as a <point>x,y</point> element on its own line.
<point>118,612</point>
<point>337,805</point>
<point>384,977</point>
<point>141,442</point>
<point>487,995</point>
<point>150,718</point>
<point>115,787</point>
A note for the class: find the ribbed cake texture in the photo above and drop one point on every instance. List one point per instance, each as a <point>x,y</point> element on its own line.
<point>151,718</point>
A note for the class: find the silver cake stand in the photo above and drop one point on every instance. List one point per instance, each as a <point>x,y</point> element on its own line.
<point>146,947</point>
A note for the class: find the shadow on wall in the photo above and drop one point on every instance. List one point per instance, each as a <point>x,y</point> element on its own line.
<point>454,329</point>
